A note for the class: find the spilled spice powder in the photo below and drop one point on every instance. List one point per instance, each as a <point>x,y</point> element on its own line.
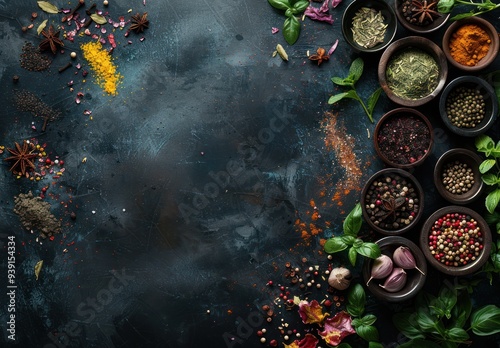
<point>102,64</point>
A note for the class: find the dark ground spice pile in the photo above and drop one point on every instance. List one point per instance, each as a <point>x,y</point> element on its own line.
<point>35,215</point>
<point>32,59</point>
<point>27,101</point>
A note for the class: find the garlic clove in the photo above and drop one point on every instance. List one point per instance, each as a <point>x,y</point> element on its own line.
<point>404,258</point>
<point>396,281</point>
<point>381,268</point>
<point>340,278</point>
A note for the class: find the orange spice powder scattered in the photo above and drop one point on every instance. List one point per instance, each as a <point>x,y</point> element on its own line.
<point>102,65</point>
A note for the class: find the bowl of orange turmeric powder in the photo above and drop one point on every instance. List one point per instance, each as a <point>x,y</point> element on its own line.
<point>471,44</point>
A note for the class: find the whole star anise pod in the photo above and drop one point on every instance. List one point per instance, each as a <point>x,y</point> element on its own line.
<point>51,40</point>
<point>22,158</point>
<point>390,207</point>
<point>139,22</point>
<point>424,11</point>
<point>320,57</point>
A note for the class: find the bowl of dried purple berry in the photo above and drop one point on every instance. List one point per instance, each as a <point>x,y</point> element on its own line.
<point>392,201</point>
<point>420,16</point>
<point>456,240</point>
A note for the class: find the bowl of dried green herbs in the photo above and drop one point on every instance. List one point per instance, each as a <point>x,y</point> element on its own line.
<point>412,71</point>
<point>369,25</point>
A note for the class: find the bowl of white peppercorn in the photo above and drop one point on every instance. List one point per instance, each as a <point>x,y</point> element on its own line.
<point>468,106</point>
<point>457,177</point>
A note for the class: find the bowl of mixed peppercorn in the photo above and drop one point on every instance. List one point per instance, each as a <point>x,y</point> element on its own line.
<point>420,17</point>
<point>468,106</point>
<point>457,176</point>
<point>456,240</point>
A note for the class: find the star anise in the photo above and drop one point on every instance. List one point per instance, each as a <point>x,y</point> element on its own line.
<point>320,57</point>
<point>51,40</point>
<point>139,22</point>
<point>22,158</point>
<point>390,207</point>
<point>424,11</point>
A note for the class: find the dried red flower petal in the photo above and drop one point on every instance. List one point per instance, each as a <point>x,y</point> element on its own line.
<point>336,328</point>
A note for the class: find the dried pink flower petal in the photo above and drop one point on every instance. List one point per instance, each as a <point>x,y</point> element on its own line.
<point>335,3</point>
<point>336,328</point>
<point>274,30</point>
<point>319,14</point>
<point>333,48</point>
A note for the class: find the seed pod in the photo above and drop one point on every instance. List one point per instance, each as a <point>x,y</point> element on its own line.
<point>381,268</point>
<point>396,281</point>
<point>340,278</point>
<point>404,258</point>
<point>281,51</point>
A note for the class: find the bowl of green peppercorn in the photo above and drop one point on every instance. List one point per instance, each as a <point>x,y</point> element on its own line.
<point>468,106</point>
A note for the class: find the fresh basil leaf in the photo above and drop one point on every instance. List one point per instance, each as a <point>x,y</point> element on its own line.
<point>461,312</point>
<point>375,345</point>
<point>368,333</point>
<point>462,16</point>
<point>457,334</point>
<point>425,320</point>
<point>490,179</point>
<point>406,323</point>
<point>344,345</point>
<point>448,299</point>
<point>280,4</point>
<point>356,299</point>
<point>486,320</point>
<point>370,250</point>
<point>445,6</point>
<point>349,240</point>
<point>492,200</point>
<point>289,12</point>
<point>419,343</point>
<point>353,221</point>
<point>356,69</point>
<point>291,30</point>
<point>484,143</point>
<point>300,6</point>
<point>357,243</point>
<point>353,254</point>
<point>372,101</point>
<point>486,165</point>
<point>334,245</point>
<point>368,320</point>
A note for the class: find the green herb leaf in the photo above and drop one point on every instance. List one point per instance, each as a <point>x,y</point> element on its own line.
<point>344,345</point>
<point>337,97</point>
<point>492,200</point>
<point>353,221</point>
<point>484,143</point>
<point>368,320</point>
<point>356,299</point>
<point>447,299</point>
<point>98,18</point>
<point>461,312</point>
<point>445,6</point>
<point>490,179</point>
<point>41,27</point>
<point>280,4</point>
<point>372,101</point>
<point>47,7</point>
<point>486,320</point>
<point>425,320</point>
<point>289,12</point>
<point>462,16</point>
<point>357,243</point>
<point>349,240</point>
<point>370,250</point>
<point>419,343</point>
<point>486,165</point>
<point>291,30</point>
<point>356,69</point>
<point>407,324</point>
<point>457,334</point>
<point>368,333</point>
<point>343,82</point>
<point>353,254</point>
<point>334,245</point>
<point>300,6</point>
<point>375,345</point>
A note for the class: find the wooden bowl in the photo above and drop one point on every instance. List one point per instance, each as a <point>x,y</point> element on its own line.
<point>438,22</point>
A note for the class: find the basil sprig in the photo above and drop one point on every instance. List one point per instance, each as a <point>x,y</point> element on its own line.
<point>292,8</point>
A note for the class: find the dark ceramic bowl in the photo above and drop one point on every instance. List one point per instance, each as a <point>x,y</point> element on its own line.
<point>472,160</point>
<point>407,157</point>
<point>412,42</point>
<point>473,265</point>
<point>415,280</point>
<point>378,5</point>
<point>437,23</point>
<point>492,52</point>
<point>378,212</point>
<point>490,99</point>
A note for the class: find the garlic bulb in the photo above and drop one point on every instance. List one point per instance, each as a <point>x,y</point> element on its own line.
<point>340,278</point>
<point>396,281</point>
<point>381,268</point>
<point>404,258</point>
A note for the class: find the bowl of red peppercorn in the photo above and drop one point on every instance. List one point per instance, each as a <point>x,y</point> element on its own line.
<point>471,44</point>
<point>468,106</point>
<point>457,176</point>
<point>403,138</point>
<point>420,17</point>
<point>456,240</point>
<point>392,201</point>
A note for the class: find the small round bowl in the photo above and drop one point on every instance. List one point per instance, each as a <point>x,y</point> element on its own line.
<point>415,280</point>
<point>490,99</point>
<point>472,160</point>
<point>413,42</point>
<point>379,211</point>
<point>473,265</point>
<point>486,26</point>
<point>406,156</point>
<point>378,5</point>
<point>436,24</point>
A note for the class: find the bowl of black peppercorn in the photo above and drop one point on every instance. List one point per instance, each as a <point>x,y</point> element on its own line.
<point>468,106</point>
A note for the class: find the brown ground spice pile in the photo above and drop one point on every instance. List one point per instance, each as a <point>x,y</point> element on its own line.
<point>28,102</point>
<point>35,215</point>
<point>32,59</point>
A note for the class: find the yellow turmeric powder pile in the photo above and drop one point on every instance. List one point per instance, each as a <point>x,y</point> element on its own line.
<point>469,44</point>
<point>102,65</point>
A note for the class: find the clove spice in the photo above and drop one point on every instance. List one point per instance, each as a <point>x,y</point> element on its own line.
<point>72,12</point>
<point>61,69</point>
